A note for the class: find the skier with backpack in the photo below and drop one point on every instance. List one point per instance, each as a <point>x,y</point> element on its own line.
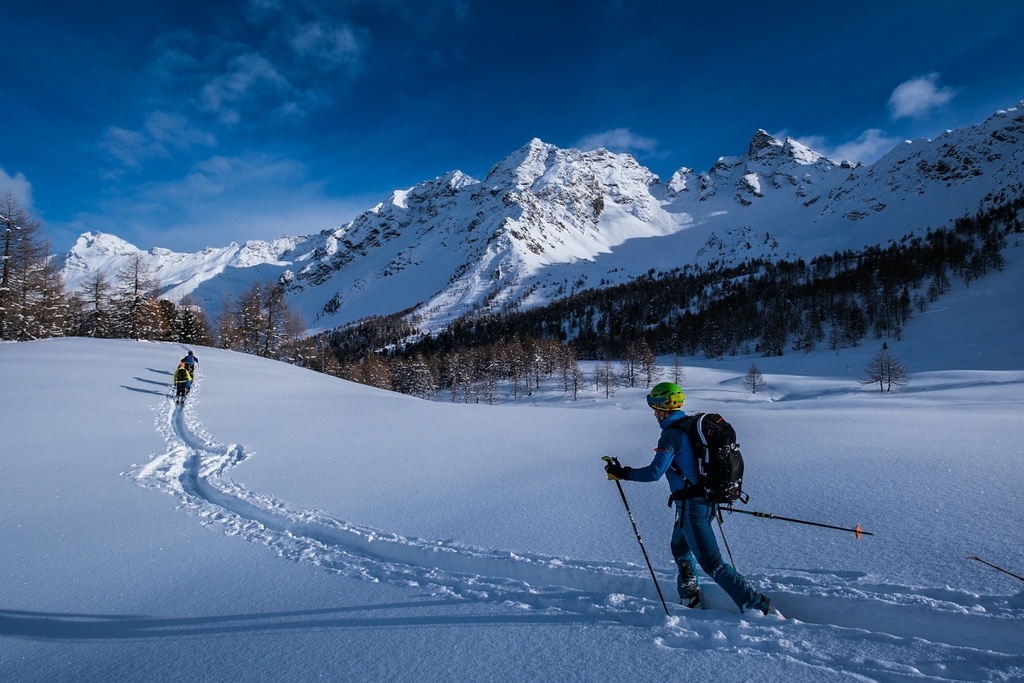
<point>679,458</point>
<point>190,361</point>
<point>182,382</point>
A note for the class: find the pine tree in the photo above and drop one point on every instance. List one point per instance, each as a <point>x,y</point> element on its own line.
<point>190,325</point>
<point>138,311</point>
<point>374,372</point>
<point>249,319</point>
<point>97,318</point>
<point>52,315</point>
<point>275,313</point>
<point>24,275</point>
<point>229,336</point>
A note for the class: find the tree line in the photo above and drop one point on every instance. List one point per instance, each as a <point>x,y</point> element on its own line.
<point>515,367</point>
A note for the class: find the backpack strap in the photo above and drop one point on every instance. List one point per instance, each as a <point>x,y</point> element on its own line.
<point>702,456</point>
<point>686,493</point>
<point>689,490</point>
<point>685,425</point>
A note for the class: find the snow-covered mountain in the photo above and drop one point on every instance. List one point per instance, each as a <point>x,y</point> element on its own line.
<point>548,221</point>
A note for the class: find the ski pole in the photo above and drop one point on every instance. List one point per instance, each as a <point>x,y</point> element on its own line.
<point>972,557</point>
<point>767,515</point>
<point>637,532</point>
<point>721,530</point>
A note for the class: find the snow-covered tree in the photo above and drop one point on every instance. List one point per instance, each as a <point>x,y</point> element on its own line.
<point>137,308</point>
<point>96,317</point>
<point>24,272</point>
<point>190,325</point>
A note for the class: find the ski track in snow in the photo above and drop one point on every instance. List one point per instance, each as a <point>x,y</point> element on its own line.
<point>841,621</point>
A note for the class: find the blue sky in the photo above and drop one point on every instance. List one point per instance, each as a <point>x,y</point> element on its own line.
<point>193,124</point>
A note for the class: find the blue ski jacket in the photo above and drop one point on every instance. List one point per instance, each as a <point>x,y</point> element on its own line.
<point>673,446</point>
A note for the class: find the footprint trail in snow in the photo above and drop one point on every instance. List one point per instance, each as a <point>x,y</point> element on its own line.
<point>195,469</point>
<point>839,621</point>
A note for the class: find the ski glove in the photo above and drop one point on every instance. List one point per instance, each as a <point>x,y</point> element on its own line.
<point>617,471</point>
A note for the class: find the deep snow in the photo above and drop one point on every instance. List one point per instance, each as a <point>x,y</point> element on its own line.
<point>287,525</point>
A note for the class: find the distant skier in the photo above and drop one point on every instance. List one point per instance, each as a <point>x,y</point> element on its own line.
<point>182,382</point>
<point>190,362</point>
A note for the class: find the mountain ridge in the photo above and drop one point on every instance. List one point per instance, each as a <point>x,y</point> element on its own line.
<point>547,221</point>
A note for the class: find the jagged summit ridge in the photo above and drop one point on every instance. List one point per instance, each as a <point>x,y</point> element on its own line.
<point>540,206</point>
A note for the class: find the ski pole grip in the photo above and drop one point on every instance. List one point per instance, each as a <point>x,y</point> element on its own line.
<point>611,461</point>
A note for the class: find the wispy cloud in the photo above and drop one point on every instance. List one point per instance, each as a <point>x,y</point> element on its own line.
<point>328,45</point>
<point>19,186</point>
<point>867,147</point>
<point>251,174</point>
<point>918,96</point>
<point>248,78</point>
<point>255,195</point>
<point>280,64</point>
<point>231,89</point>
<point>176,131</point>
<point>130,147</point>
<point>161,133</point>
<point>618,140</point>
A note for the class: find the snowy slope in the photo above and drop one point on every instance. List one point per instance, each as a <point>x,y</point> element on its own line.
<point>289,526</point>
<point>546,222</point>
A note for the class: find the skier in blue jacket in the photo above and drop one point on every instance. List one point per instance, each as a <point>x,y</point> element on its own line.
<point>692,536</point>
<point>190,361</point>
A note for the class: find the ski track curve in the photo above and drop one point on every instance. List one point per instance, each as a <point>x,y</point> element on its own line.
<point>837,621</point>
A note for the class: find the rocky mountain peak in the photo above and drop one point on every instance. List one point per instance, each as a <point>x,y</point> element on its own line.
<point>761,143</point>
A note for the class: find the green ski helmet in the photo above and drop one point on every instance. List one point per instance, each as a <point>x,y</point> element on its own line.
<point>666,396</point>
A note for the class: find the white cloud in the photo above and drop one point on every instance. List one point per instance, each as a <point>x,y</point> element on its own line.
<point>816,142</point>
<point>328,46</point>
<point>130,147</point>
<point>160,131</point>
<point>918,96</point>
<point>284,62</point>
<point>176,131</point>
<point>221,199</point>
<point>244,177</point>
<point>867,147</point>
<point>617,140</point>
<point>19,186</point>
<point>248,79</point>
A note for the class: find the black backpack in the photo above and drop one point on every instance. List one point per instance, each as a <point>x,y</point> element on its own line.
<point>718,456</point>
